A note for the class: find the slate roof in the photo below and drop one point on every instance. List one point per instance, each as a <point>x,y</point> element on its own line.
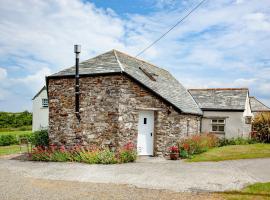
<point>158,80</point>
<point>220,98</point>
<point>257,106</point>
<point>43,88</point>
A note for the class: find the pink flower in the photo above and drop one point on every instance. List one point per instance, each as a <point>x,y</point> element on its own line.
<point>173,149</point>
<point>62,149</point>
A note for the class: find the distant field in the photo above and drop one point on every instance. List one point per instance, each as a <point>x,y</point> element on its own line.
<point>23,128</point>
<point>15,132</point>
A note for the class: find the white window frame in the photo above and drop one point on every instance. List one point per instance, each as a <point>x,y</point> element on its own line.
<point>44,103</point>
<point>218,122</point>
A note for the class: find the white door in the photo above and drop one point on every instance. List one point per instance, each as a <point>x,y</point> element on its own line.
<point>145,133</point>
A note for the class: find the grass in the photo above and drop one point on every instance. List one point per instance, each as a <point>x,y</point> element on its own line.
<point>12,149</point>
<point>23,128</point>
<point>258,191</point>
<point>15,132</point>
<point>233,152</point>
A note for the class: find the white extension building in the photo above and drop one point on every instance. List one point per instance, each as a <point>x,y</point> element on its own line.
<point>40,110</point>
<point>226,111</point>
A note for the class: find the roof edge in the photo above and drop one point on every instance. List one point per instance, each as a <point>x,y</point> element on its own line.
<point>175,107</point>
<point>208,89</point>
<point>222,110</point>
<point>258,101</point>
<point>44,87</point>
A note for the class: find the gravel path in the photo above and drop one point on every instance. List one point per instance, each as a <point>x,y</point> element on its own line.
<point>137,180</point>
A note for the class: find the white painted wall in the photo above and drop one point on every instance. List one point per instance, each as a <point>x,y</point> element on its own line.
<point>40,114</point>
<point>235,123</point>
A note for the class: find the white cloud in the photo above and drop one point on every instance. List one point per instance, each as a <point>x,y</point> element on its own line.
<point>33,81</point>
<point>3,74</point>
<point>219,45</point>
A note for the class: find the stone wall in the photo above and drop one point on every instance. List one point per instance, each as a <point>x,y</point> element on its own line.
<point>109,113</point>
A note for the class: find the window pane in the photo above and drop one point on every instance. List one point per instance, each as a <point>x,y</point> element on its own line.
<point>214,128</point>
<point>145,120</point>
<point>221,121</point>
<point>221,128</point>
<point>214,121</point>
<point>44,102</point>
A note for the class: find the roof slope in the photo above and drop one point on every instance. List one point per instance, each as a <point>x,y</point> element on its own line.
<point>154,78</point>
<point>220,98</point>
<point>257,106</point>
<point>43,88</point>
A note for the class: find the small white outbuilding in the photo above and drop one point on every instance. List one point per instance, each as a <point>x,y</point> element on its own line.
<point>40,110</point>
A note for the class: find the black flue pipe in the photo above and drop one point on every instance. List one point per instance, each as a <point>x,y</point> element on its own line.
<point>77,50</point>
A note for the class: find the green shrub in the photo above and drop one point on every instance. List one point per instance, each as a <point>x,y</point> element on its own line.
<point>28,136</point>
<point>40,138</point>
<point>106,157</point>
<point>261,127</point>
<point>184,154</point>
<point>15,120</point>
<point>86,156</point>
<point>127,156</point>
<point>59,156</point>
<point>128,153</point>
<point>236,141</point>
<point>9,139</point>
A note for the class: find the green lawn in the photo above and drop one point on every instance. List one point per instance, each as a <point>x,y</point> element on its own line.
<point>258,191</point>
<point>23,128</point>
<point>12,149</point>
<point>233,152</point>
<point>15,132</point>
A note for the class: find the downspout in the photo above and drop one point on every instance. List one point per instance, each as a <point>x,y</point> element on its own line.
<point>77,50</point>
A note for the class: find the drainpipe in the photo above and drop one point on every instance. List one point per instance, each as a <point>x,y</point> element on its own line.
<point>188,120</point>
<point>77,51</point>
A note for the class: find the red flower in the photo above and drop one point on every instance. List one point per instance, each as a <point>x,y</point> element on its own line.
<point>129,146</point>
<point>186,146</point>
<point>173,149</point>
<point>62,149</point>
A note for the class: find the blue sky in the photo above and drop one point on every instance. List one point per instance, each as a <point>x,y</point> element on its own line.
<point>225,43</point>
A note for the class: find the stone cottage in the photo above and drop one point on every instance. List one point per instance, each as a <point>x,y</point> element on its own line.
<point>122,99</point>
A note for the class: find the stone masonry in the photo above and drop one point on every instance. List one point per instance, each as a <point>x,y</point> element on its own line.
<point>109,107</point>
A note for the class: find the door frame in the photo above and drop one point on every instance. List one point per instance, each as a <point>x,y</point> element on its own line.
<point>153,132</point>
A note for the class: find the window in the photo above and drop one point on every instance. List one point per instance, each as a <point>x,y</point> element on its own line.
<point>144,120</point>
<point>248,119</point>
<point>218,125</point>
<point>44,103</point>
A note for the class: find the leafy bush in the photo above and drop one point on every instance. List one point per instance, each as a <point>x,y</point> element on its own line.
<point>236,141</point>
<point>28,136</point>
<point>12,138</point>
<point>261,127</point>
<point>128,153</point>
<point>40,138</point>
<point>83,154</point>
<point>15,120</point>
<point>184,154</point>
<point>106,157</point>
<point>196,144</point>
<point>6,140</point>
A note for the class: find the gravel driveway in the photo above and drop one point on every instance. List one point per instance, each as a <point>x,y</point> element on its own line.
<point>148,174</point>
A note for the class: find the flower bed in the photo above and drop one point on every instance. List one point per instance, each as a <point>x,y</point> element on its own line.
<point>196,144</point>
<point>90,155</point>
